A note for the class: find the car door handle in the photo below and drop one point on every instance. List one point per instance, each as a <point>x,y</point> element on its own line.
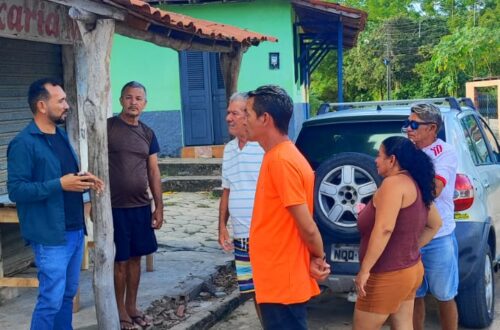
<point>486,184</point>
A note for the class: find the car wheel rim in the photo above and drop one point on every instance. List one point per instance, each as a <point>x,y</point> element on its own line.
<point>488,284</point>
<point>341,190</point>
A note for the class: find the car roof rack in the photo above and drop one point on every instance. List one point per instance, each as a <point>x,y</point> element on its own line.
<point>468,102</point>
<point>452,102</point>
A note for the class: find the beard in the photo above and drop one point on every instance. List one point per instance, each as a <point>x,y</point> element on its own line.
<point>58,120</point>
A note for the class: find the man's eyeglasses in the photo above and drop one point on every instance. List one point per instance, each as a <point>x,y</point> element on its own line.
<point>415,124</point>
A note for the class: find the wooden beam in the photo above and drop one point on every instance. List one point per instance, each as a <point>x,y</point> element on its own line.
<point>92,58</point>
<point>75,122</point>
<point>18,282</point>
<point>323,9</point>
<point>8,215</point>
<point>230,65</point>
<point>82,15</point>
<point>96,8</point>
<point>162,41</point>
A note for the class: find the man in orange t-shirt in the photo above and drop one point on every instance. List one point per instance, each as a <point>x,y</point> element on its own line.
<point>287,251</point>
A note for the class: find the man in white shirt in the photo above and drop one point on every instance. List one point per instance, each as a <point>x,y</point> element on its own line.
<point>240,171</point>
<point>440,256</point>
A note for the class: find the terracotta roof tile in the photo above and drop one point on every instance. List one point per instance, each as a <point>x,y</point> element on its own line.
<point>338,7</point>
<point>202,28</point>
<point>354,20</point>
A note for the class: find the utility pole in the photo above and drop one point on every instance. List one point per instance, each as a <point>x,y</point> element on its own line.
<point>387,61</point>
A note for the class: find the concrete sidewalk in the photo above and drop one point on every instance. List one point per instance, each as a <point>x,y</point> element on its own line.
<point>189,255</point>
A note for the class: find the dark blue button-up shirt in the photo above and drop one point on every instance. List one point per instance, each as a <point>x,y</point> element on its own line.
<point>33,183</point>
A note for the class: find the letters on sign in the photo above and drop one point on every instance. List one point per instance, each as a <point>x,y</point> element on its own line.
<point>37,20</point>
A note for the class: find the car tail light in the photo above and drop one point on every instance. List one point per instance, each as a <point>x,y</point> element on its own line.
<point>464,193</point>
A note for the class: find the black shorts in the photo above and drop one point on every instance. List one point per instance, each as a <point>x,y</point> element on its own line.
<point>280,316</point>
<point>133,233</point>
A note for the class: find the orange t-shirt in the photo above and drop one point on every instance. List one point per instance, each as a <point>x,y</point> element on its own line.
<point>280,259</point>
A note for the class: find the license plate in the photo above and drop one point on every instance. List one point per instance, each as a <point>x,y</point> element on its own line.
<point>345,253</point>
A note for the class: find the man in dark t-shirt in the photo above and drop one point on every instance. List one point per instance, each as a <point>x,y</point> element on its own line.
<point>133,173</point>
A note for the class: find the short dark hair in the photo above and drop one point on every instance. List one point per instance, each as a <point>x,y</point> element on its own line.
<point>276,102</point>
<point>37,91</point>
<point>133,84</point>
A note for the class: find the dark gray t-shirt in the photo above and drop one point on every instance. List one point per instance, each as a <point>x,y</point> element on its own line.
<point>129,148</point>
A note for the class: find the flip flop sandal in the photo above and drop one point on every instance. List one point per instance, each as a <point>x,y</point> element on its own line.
<point>141,320</point>
<point>128,325</point>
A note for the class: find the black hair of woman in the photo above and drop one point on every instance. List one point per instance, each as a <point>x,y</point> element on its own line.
<point>416,162</point>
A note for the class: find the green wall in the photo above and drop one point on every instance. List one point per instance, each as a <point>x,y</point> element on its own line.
<point>158,68</point>
<point>269,17</point>
<point>155,67</point>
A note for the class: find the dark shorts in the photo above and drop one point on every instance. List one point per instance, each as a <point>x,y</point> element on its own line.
<point>280,316</point>
<point>133,233</point>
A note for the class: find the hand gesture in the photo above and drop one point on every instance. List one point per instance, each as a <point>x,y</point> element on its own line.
<point>360,282</point>
<point>76,183</point>
<point>319,269</point>
<point>224,239</point>
<point>98,183</point>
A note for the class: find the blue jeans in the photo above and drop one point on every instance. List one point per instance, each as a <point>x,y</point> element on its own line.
<point>284,317</point>
<point>58,275</point>
<point>440,259</point>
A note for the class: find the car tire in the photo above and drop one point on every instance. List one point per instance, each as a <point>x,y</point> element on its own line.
<point>343,181</point>
<point>476,304</point>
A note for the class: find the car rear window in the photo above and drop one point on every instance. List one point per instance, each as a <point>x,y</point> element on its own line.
<point>318,143</point>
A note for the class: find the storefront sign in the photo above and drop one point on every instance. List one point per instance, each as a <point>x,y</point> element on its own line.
<point>37,20</point>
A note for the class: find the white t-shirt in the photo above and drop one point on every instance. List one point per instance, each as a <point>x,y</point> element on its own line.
<point>240,171</point>
<point>445,165</point>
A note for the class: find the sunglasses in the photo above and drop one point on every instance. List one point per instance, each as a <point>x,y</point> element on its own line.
<point>415,124</point>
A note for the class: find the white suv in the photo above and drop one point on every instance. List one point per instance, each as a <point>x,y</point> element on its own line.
<point>341,146</point>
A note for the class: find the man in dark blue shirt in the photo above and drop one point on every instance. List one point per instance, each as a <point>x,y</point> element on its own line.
<point>44,184</point>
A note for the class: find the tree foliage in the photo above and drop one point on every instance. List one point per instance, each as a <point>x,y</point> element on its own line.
<point>433,48</point>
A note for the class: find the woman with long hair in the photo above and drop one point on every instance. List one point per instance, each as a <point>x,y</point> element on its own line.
<point>400,218</point>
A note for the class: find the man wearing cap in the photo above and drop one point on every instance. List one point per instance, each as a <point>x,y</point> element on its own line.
<point>440,256</point>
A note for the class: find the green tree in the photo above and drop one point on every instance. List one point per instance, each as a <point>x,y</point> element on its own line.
<point>434,47</point>
<point>467,53</point>
<point>398,40</point>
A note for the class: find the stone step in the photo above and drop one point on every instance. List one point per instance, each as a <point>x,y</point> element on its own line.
<point>190,183</point>
<point>190,166</point>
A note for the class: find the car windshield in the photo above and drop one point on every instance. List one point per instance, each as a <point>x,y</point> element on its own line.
<point>319,143</point>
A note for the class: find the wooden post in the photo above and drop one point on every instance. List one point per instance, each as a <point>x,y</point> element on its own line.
<point>1,255</point>
<point>150,261</point>
<point>76,301</point>
<point>92,58</point>
<point>75,123</point>
<point>230,65</point>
